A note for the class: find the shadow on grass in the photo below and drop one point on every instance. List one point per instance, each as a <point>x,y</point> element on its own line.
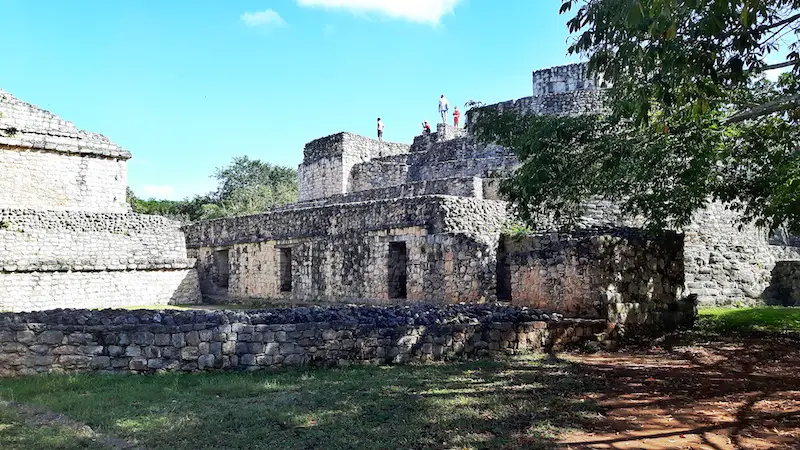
<point>524,402</point>
<point>736,392</point>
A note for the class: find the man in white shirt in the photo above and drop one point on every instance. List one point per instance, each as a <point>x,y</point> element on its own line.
<point>444,106</point>
<point>380,129</point>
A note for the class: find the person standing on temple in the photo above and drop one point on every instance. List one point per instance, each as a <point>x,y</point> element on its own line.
<point>380,129</point>
<point>444,106</point>
<point>456,116</point>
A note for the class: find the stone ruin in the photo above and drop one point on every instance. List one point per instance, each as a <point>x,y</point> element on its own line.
<point>389,223</point>
<point>377,223</point>
<point>67,238</point>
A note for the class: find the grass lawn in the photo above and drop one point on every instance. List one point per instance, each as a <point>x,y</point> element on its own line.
<point>524,402</point>
<point>16,434</point>
<point>762,319</point>
<point>521,402</point>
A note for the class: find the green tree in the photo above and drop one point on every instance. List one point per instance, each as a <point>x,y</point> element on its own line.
<point>245,186</point>
<point>249,186</point>
<point>690,116</point>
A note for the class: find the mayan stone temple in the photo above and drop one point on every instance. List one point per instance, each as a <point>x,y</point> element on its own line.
<point>67,238</point>
<point>385,223</point>
<point>420,228</point>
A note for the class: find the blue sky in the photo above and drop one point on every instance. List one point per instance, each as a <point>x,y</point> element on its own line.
<point>186,85</point>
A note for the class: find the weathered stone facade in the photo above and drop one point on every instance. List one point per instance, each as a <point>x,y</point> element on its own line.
<point>148,341</point>
<point>386,223</point>
<point>341,252</point>
<point>596,273</point>
<point>48,164</point>
<point>563,79</point>
<point>67,238</point>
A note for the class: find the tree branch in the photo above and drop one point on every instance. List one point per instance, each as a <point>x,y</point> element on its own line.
<point>777,24</point>
<point>781,104</point>
<point>778,65</point>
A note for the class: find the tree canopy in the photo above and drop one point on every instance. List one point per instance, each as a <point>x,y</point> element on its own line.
<point>245,186</point>
<point>690,115</point>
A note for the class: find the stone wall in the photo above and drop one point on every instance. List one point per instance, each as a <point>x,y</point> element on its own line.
<point>568,103</point>
<point>623,275</point>
<point>460,187</point>
<point>149,341</point>
<point>434,160</point>
<point>436,214</point>
<point>29,291</point>
<point>341,253</point>
<point>328,161</point>
<point>75,259</point>
<point>727,264</point>
<point>48,163</point>
<point>379,173</point>
<point>61,181</point>
<point>562,79</point>
<point>68,240</point>
<point>784,289</point>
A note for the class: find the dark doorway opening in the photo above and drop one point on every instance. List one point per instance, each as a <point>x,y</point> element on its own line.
<point>398,270</point>
<point>222,268</point>
<point>285,264</point>
<point>503,272</point>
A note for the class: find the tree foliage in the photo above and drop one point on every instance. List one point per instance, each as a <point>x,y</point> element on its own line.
<point>690,115</point>
<point>245,186</point>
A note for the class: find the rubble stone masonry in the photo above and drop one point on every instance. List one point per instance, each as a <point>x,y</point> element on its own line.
<point>148,341</point>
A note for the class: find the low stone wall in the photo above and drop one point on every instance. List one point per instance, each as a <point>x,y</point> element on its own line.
<point>148,341</point>
<point>30,291</point>
<point>785,287</point>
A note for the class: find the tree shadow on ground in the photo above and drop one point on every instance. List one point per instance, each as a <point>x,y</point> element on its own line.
<point>523,402</point>
<point>736,394</point>
<point>739,394</point>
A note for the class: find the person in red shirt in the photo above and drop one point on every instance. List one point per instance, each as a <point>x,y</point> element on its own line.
<point>456,116</point>
<point>426,128</point>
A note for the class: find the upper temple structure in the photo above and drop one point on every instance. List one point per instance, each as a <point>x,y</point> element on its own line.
<point>67,239</point>
<point>381,222</point>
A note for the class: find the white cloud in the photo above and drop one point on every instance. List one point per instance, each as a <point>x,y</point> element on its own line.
<point>158,191</point>
<point>421,11</point>
<point>267,17</point>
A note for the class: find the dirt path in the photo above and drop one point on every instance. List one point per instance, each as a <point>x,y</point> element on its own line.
<point>39,416</point>
<point>742,395</point>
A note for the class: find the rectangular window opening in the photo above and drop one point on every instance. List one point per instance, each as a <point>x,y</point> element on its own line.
<point>398,270</point>
<point>222,268</point>
<point>285,265</point>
